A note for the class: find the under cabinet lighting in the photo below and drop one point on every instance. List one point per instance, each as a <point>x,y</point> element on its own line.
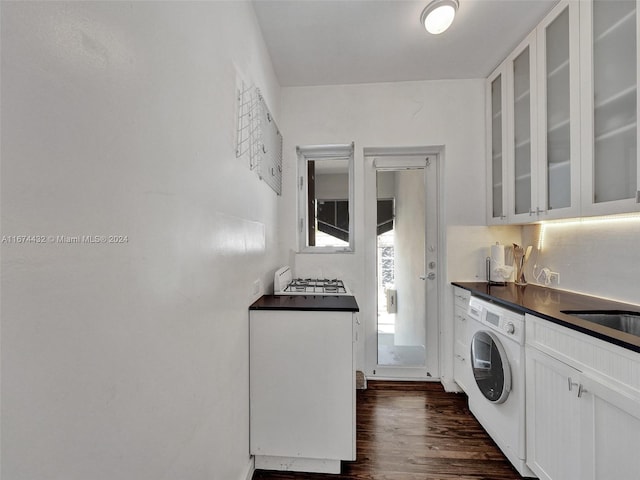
<point>609,219</point>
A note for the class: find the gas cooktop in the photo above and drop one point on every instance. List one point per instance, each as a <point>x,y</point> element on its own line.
<point>284,284</point>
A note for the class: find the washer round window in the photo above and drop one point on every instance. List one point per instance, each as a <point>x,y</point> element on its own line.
<point>490,366</point>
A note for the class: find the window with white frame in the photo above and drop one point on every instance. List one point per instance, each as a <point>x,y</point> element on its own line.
<point>325,198</point>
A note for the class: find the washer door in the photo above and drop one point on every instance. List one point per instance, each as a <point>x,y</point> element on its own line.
<point>490,366</point>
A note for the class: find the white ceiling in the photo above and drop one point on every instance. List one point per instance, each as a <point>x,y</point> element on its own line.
<point>332,42</point>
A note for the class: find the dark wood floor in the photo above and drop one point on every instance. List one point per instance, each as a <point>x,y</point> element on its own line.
<point>415,431</point>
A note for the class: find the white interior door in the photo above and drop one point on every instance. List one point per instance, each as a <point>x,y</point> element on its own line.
<point>405,342</point>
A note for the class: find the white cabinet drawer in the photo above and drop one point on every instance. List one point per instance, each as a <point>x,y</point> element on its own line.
<point>461,297</point>
<point>584,352</point>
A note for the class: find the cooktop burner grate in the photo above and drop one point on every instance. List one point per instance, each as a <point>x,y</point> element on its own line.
<point>315,286</point>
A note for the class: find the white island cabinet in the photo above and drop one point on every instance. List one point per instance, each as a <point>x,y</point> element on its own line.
<point>583,405</point>
<point>302,389</point>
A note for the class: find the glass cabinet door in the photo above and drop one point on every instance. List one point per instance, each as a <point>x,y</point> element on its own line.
<point>523,177</point>
<point>558,113</point>
<point>522,133</point>
<point>610,145</point>
<point>496,172</point>
<point>560,185</point>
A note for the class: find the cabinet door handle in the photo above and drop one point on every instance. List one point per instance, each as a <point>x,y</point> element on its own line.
<point>581,390</point>
<point>459,356</point>
<point>572,384</point>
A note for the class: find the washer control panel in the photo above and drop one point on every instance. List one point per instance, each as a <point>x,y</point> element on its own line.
<point>498,318</point>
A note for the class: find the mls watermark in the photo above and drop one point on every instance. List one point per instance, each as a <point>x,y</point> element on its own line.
<point>64,239</point>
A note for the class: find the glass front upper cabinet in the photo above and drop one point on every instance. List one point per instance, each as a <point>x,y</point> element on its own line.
<point>496,173</point>
<point>558,45</point>
<point>522,145</point>
<point>609,46</point>
<point>522,133</point>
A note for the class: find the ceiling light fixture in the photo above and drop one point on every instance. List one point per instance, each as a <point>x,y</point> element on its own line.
<point>438,16</point>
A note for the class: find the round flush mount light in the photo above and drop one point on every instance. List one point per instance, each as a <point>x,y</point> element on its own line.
<point>438,16</point>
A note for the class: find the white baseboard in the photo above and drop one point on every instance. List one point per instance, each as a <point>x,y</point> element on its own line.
<point>298,464</point>
<point>249,469</point>
<point>450,386</point>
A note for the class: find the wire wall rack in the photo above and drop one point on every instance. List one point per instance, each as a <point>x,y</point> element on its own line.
<point>259,137</point>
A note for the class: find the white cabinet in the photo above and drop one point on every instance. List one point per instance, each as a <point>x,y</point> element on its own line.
<point>610,419</point>
<point>609,46</point>
<point>553,420</point>
<point>497,200</point>
<point>559,113</point>
<point>461,366</point>
<point>302,389</point>
<point>533,118</point>
<point>522,139</point>
<point>512,120</point>
<point>562,116</point>
<point>583,405</point>
<point>512,171</point>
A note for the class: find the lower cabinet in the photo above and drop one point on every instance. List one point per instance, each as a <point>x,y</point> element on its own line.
<point>583,405</point>
<point>553,420</point>
<point>302,389</point>
<point>611,436</point>
<point>461,366</point>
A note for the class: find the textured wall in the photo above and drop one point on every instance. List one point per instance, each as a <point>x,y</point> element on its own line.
<point>129,360</point>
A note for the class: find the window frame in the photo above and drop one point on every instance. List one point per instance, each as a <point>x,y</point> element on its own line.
<point>318,153</point>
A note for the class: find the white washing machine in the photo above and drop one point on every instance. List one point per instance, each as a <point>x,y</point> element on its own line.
<point>497,396</point>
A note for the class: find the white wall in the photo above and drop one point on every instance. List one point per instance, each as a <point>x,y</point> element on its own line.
<point>449,113</point>
<point>129,361</point>
<point>469,246</point>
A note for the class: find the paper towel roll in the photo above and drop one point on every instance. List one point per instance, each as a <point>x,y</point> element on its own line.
<point>497,263</point>
<point>497,256</point>
<point>498,270</point>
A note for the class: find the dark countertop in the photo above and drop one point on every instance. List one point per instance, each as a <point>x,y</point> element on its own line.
<point>330,303</point>
<point>548,303</point>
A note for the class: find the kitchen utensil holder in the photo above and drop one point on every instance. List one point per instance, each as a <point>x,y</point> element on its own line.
<point>520,278</point>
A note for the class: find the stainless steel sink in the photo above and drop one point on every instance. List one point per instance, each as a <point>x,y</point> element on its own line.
<point>628,322</point>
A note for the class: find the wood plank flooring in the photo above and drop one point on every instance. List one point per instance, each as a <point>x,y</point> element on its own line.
<point>415,431</point>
